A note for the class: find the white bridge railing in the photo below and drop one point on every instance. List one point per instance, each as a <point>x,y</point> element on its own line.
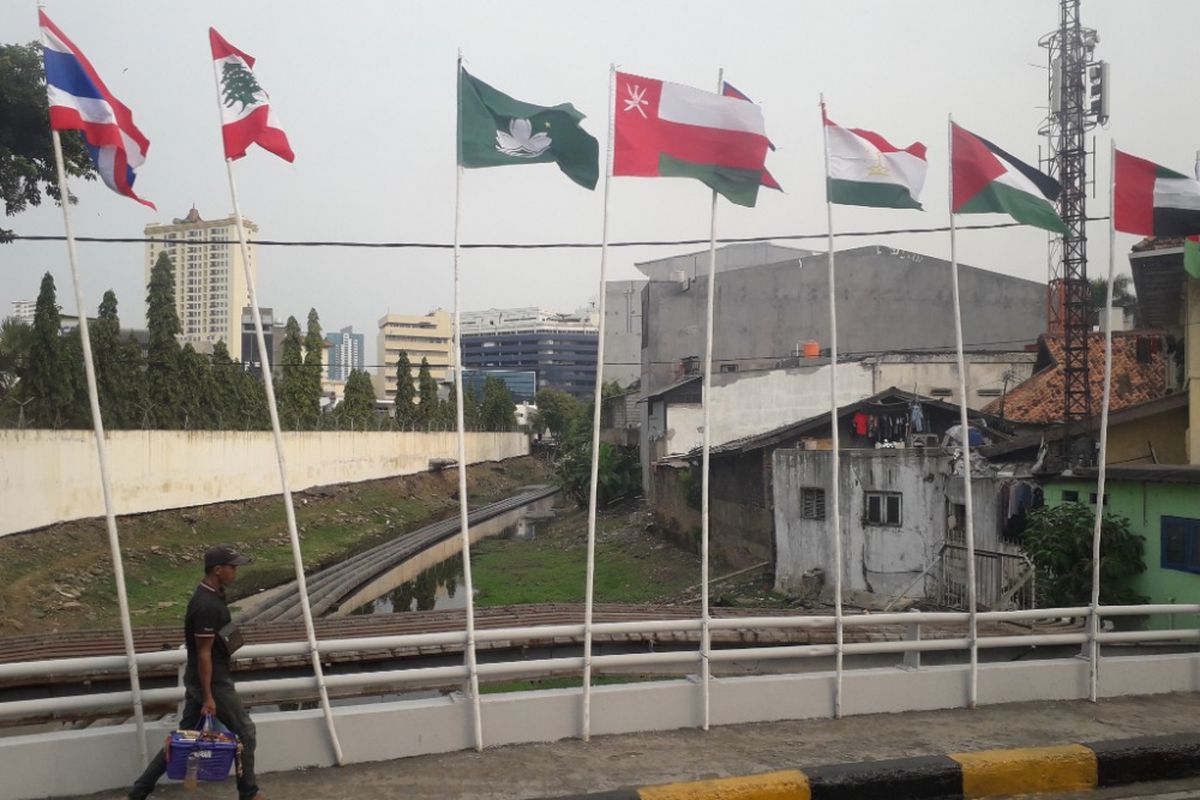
<point>265,689</point>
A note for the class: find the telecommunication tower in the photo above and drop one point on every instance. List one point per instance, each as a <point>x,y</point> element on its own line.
<point>1078,89</point>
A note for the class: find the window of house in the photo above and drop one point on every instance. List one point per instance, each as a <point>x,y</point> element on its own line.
<point>988,392</point>
<point>1070,496</point>
<point>1181,544</point>
<point>882,508</point>
<point>1092,498</point>
<point>729,368</point>
<point>941,392</point>
<point>812,503</point>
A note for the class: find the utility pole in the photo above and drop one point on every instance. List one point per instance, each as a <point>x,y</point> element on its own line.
<point>1078,102</point>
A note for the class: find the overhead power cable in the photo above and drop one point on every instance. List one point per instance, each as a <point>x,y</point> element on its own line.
<point>530,245</point>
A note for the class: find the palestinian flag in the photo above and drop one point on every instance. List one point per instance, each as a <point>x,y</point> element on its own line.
<point>867,170</point>
<point>495,130</point>
<point>668,130</point>
<point>1153,200</point>
<point>246,114</point>
<point>985,179</point>
<point>1191,256</point>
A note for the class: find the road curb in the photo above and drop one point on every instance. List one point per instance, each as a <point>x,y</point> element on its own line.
<point>986,773</point>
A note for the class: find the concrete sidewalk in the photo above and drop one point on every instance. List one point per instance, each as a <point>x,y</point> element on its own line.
<point>567,767</point>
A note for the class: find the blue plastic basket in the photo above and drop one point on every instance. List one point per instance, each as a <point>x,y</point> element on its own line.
<point>216,757</point>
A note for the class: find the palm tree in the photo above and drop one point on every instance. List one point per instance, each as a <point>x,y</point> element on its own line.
<point>1123,298</point>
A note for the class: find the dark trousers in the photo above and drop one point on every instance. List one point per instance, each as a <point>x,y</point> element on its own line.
<point>230,712</point>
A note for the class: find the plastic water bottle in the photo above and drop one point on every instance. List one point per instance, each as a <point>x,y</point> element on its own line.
<point>191,780</point>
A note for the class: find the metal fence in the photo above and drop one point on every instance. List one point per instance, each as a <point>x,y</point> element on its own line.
<point>1003,581</point>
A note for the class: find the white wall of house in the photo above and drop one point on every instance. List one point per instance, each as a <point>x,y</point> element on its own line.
<point>52,476</point>
<point>878,559</point>
<point>744,404</point>
<point>936,374</point>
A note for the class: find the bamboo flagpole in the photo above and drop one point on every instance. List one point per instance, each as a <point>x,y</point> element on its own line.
<point>289,508</point>
<point>463,514</point>
<point>110,518</point>
<point>1094,626</point>
<point>589,592</point>
<point>835,444</point>
<point>706,398</point>
<point>964,424</point>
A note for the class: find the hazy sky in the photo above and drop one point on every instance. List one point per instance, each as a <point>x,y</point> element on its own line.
<point>366,93</point>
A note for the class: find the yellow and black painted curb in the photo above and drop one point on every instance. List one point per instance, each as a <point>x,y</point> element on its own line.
<point>986,773</point>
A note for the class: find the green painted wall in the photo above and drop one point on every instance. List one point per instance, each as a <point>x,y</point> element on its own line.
<point>1144,504</point>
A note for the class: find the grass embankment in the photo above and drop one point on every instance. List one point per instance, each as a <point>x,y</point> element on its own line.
<point>60,577</point>
<point>632,564</point>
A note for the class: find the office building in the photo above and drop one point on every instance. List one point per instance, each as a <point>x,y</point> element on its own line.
<point>560,348</point>
<point>427,336</point>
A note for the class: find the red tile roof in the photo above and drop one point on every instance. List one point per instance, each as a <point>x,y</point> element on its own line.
<point>1039,400</point>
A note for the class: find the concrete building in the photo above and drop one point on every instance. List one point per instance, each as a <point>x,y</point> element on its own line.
<point>344,353</point>
<point>990,374</point>
<point>23,310</point>
<point>560,348</point>
<point>421,336</point>
<point>888,300</point>
<point>210,282</point>
<point>693,266</point>
<point>623,331</point>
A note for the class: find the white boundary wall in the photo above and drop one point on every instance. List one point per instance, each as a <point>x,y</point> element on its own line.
<point>106,758</point>
<point>52,476</point>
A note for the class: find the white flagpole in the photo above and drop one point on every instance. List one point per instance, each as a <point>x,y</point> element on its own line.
<point>835,459</point>
<point>706,397</point>
<point>964,424</point>
<point>589,592</point>
<point>1094,644</point>
<point>288,507</point>
<point>468,588</point>
<point>110,517</point>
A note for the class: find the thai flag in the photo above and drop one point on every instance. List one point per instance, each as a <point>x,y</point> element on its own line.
<point>79,100</point>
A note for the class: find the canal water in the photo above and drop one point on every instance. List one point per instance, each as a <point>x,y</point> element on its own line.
<point>440,587</point>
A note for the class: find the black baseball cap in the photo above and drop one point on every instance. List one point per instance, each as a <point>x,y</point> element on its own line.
<point>220,554</point>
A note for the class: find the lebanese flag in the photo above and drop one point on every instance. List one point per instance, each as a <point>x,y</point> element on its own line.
<point>1152,200</point>
<point>246,114</point>
<point>985,179</point>
<point>669,130</point>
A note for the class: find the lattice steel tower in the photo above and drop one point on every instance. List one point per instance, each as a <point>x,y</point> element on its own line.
<point>1078,101</point>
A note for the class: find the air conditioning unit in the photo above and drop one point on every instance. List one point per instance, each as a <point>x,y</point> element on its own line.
<point>681,279</point>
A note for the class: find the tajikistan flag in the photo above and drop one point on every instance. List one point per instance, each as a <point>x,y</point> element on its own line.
<point>865,169</point>
<point>986,179</point>
<point>246,115</point>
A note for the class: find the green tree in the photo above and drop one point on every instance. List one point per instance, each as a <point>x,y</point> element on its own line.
<point>27,168</point>
<point>405,411</point>
<point>472,416</point>
<point>118,367</point>
<point>45,385</point>
<point>291,391</point>
<point>427,408</point>
<point>198,408</point>
<point>16,339</point>
<point>164,396</point>
<point>227,376</point>
<point>1059,540</point>
<point>497,412</point>
<point>314,355</point>
<point>561,413</point>
<point>357,408</point>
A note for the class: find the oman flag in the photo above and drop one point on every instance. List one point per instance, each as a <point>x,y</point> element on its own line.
<point>668,130</point>
<point>987,179</point>
<point>246,114</point>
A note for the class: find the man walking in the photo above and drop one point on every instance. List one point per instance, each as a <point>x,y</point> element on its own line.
<point>211,637</point>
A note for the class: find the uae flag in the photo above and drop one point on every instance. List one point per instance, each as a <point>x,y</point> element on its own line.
<point>246,114</point>
<point>1154,201</point>
<point>985,179</point>
<point>866,169</point>
<point>668,130</point>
